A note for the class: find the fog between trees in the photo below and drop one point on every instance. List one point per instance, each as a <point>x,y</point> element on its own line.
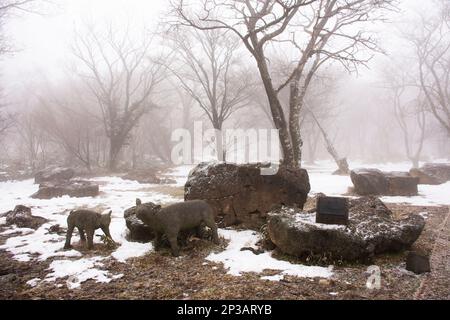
<point>363,80</point>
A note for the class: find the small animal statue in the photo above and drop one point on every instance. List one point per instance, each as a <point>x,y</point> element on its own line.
<point>175,218</point>
<point>87,221</point>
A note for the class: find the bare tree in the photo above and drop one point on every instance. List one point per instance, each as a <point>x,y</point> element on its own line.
<point>71,131</point>
<point>122,77</point>
<point>208,71</point>
<point>312,142</point>
<point>321,30</point>
<point>410,115</point>
<point>416,110</point>
<point>8,7</point>
<point>6,120</point>
<point>33,138</point>
<point>432,47</point>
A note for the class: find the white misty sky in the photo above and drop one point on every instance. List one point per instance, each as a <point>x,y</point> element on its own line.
<point>43,40</point>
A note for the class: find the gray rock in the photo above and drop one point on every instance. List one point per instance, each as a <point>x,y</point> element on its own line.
<point>147,176</point>
<point>425,178</point>
<point>21,216</point>
<point>441,170</point>
<point>241,195</point>
<point>370,182</point>
<point>418,262</point>
<point>402,184</point>
<point>371,230</point>
<point>432,173</point>
<point>54,174</point>
<point>72,188</point>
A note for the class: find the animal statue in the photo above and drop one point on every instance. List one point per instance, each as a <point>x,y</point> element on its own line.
<point>177,217</point>
<point>87,221</point>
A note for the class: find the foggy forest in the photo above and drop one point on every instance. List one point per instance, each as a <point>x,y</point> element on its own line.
<point>225,149</point>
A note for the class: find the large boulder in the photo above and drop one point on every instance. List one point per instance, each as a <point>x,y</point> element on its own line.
<point>402,184</point>
<point>54,175</point>
<point>432,173</point>
<point>241,195</point>
<point>147,176</point>
<point>371,230</point>
<point>425,178</point>
<point>21,216</point>
<point>72,188</point>
<point>138,231</point>
<point>370,182</point>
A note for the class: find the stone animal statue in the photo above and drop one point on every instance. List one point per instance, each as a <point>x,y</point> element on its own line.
<point>87,221</point>
<point>178,217</point>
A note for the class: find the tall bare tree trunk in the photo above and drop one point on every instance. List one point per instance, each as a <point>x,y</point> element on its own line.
<point>343,167</point>
<point>295,107</point>
<point>277,113</point>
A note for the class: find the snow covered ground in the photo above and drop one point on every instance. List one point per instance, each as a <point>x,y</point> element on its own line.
<point>118,194</point>
<point>237,261</point>
<point>322,180</point>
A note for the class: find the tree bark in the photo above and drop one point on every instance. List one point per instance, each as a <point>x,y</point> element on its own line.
<point>342,163</point>
<point>294,123</point>
<point>277,113</point>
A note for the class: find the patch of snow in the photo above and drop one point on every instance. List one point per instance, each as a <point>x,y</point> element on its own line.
<point>424,215</point>
<point>2,221</point>
<point>40,243</point>
<point>34,282</point>
<point>238,262</point>
<point>276,278</point>
<point>14,229</point>
<point>310,218</point>
<point>329,184</point>
<point>180,171</point>
<point>180,174</point>
<point>428,196</point>
<point>131,250</point>
<point>79,271</point>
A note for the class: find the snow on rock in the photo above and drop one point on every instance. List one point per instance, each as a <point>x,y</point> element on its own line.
<point>371,230</point>
<point>238,262</point>
<point>310,219</point>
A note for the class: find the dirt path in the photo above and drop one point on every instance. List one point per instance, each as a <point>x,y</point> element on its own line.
<point>436,285</point>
